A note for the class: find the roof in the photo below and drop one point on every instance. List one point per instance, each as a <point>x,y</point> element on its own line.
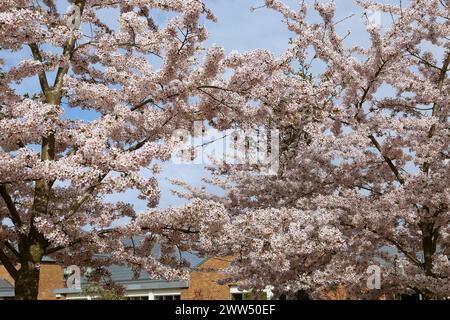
<point>47,259</point>
<point>6,289</point>
<point>123,275</point>
<point>135,285</point>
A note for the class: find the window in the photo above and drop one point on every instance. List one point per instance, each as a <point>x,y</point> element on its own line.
<point>249,296</point>
<point>136,298</point>
<point>410,297</point>
<point>169,297</point>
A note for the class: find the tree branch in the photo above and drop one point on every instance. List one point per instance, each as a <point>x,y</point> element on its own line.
<point>13,272</point>
<point>12,249</point>
<point>435,113</point>
<point>369,86</point>
<point>75,242</point>
<point>387,160</point>
<point>67,53</point>
<point>42,76</point>
<point>82,199</point>
<point>397,244</point>
<point>406,253</point>
<point>15,217</point>
<point>440,83</point>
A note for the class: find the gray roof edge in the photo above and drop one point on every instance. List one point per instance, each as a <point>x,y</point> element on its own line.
<point>4,284</point>
<point>6,292</point>
<point>135,286</point>
<point>157,285</point>
<point>66,291</point>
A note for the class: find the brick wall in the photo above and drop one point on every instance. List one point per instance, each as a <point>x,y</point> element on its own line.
<point>50,278</point>
<point>339,294</point>
<point>203,281</point>
<point>5,275</point>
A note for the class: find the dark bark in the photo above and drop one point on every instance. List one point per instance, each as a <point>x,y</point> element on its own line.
<point>26,286</point>
<point>429,236</point>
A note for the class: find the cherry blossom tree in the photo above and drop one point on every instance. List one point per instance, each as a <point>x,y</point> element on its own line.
<point>114,84</point>
<point>363,174</point>
<point>364,161</point>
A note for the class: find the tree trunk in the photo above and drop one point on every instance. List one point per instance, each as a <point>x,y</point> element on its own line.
<point>26,286</point>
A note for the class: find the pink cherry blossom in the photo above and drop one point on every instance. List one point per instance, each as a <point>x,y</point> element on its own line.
<point>364,160</point>
<point>142,81</point>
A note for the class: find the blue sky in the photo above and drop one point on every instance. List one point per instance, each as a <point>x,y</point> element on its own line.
<point>241,29</point>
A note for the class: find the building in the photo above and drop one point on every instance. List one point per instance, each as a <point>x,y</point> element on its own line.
<point>6,290</point>
<point>204,283</point>
<point>142,288</point>
<point>51,277</point>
